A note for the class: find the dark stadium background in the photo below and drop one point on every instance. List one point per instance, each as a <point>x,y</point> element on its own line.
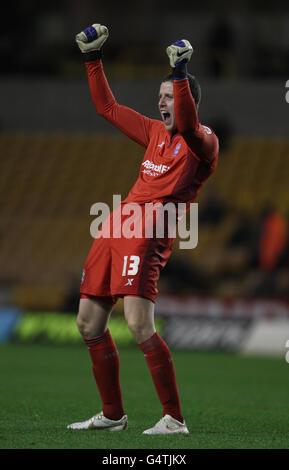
<point>57,158</point>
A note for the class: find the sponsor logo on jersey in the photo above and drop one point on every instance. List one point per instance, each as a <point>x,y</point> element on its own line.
<point>129,282</point>
<point>157,168</point>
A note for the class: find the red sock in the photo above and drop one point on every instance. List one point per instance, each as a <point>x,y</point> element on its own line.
<point>161,366</point>
<point>105,360</point>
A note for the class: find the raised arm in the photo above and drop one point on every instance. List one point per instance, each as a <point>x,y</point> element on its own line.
<point>200,139</point>
<point>133,124</point>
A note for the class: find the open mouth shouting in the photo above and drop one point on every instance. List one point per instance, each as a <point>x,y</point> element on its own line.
<point>167,119</point>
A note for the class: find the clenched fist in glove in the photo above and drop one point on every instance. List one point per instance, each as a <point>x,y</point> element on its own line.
<point>179,52</point>
<point>92,38</point>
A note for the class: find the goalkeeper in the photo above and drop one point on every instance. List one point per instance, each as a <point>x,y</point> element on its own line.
<point>180,155</point>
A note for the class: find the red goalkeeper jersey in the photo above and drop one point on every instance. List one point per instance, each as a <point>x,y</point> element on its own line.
<point>175,165</point>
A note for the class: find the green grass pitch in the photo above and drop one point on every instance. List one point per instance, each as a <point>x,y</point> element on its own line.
<point>229,401</point>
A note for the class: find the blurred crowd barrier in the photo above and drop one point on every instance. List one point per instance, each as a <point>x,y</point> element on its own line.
<point>48,183</point>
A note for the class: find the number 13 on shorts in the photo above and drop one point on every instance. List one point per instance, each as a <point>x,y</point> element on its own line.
<point>130,265</point>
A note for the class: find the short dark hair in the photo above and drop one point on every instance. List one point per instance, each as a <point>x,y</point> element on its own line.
<point>194,86</point>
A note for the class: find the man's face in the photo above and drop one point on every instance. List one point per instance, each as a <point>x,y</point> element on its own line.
<point>166,105</point>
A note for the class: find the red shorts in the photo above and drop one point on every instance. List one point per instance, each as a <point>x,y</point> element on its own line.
<point>116,267</point>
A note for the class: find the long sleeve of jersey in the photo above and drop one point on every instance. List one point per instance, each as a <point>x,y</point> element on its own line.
<point>131,123</point>
<point>200,139</point>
